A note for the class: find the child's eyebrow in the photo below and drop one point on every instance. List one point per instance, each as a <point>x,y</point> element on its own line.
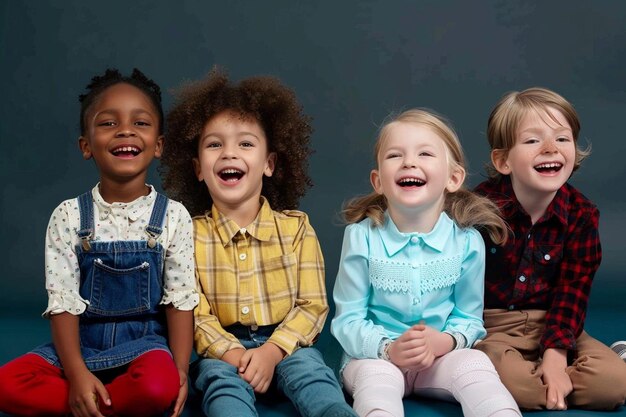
<point>220,135</point>
<point>538,130</point>
<point>134,112</point>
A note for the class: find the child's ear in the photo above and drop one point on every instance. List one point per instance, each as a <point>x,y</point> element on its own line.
<point>375,180</point>
<point>270,164</point>
<point>499,158</point>
<point>457,177</point>
<point>197,168</point>
<point>158,150</point>
<point>85,149</point>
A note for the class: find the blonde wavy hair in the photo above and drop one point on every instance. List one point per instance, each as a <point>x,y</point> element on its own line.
<point>466,208</point>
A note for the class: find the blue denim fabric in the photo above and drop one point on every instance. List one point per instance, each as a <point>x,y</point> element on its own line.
<point>123,282</point>
<point>303,377</point>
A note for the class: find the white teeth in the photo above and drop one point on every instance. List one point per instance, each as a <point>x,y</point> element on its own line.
<point>126,149</point>
<point>550,165</point>
<point>231,171</point>
<point>411,181</point>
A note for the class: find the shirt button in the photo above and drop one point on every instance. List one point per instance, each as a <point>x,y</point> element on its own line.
<point>546,257</point>
<point>254,327</point>
<point>414,239</point>
<point>245,310</point>
<point>493,250</point>
<point>529,236</point>
<point>511,307</point>
<point>522,278</point>
<point>243,256</point>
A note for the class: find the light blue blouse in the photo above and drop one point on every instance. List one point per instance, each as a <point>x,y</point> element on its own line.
<point>388,281</point>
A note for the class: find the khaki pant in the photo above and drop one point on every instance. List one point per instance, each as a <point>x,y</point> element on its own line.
<point>598,375</point>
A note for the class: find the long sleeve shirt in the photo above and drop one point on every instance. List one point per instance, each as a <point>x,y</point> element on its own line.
<point>270,273</point>
<point>548,265</point>
<point>389,281</point>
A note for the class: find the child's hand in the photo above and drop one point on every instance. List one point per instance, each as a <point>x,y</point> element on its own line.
<point>425,355</point>
<point>257,366</point>
<point>554,376</point>
<point>86,392</point>
<point>182,394</point>
<point>411,349</point>
<point>233,356</point>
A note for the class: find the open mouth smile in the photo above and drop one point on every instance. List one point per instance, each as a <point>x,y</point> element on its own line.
<point>126,151</point>
<point>549,167</point>
<point>230,174</point>
<point>408,182</point>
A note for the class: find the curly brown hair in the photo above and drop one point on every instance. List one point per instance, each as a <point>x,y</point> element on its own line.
<point>263,99</point>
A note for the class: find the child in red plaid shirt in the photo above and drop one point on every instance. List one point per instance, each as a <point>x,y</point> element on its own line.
<point>537,285</point>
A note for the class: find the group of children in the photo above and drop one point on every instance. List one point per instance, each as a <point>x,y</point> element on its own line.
<point>475,296</point>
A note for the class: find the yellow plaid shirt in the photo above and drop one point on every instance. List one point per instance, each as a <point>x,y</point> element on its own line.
<point>271,272</point>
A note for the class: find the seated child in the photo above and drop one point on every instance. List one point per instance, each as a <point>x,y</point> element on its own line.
<point>409,290</point>
<point>119,275</point>
<point>238,161</point>
<point>538,284</point>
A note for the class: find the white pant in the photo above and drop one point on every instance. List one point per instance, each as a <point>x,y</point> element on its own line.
<point>464,375</point>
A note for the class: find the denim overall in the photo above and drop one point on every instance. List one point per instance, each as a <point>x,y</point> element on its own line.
<point>123,282</point>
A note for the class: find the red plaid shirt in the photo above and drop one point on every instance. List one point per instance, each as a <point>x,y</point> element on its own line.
<point>548,265</point>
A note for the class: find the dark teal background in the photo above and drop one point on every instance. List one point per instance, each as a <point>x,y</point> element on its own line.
<point>350,63</point>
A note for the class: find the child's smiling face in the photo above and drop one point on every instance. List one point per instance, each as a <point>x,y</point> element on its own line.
<point>414,169</point>
<point>233,157</point>
<point>543,156</point>
<point>122,134</point>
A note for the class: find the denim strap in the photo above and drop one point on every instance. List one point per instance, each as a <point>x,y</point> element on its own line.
<point>157,218</point>
<point>85,206</point>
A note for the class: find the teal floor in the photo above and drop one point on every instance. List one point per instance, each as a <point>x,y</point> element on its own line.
<point>19,334</point>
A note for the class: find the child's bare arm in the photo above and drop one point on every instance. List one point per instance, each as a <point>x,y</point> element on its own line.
<point>85,388</point>
<point>180,336</point>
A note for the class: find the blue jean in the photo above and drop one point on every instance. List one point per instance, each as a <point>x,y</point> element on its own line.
<point>303,377</point>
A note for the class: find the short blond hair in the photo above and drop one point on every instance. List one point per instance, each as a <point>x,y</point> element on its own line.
<point>507,115</point>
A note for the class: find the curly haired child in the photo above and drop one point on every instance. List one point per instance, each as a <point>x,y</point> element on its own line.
<point>119,275</point>
<point>238,161</point>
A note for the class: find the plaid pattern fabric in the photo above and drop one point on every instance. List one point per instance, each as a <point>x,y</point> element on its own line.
<point>270,273</point>
<point>549,265</point>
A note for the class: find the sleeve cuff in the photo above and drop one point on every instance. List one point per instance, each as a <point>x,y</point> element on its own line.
<point>64,301</point>
<point>181,300</point>
<point>558,339</point>
<point>460,342</point>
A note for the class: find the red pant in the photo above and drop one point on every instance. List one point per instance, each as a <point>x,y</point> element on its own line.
<point>30,386</point>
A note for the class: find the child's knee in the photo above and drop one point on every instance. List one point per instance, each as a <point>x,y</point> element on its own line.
<point>599,383</point>
<point>159,394</point>
<point>367,377</point>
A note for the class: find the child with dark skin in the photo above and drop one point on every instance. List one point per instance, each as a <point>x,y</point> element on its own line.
<point>119,275</point>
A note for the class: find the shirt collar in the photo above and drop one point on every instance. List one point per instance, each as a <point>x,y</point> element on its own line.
<point>261,227</point>
<point>394,240</point>
<point>134,209</point>
<point>557,208</point>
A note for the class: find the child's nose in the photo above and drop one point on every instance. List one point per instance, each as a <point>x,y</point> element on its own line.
<point>228,152</point>
<point>409,161</point>
<point>125,129</point>
<point>549,146</point>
